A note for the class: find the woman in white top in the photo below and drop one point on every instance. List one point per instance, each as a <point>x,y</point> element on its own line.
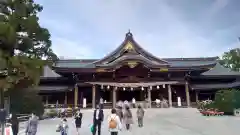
<point>114,123</point>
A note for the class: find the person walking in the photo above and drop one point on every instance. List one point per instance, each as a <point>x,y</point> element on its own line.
<point>15,124</point>
<point>120,113</point>
<point>32,125</point>
<point>114,122</point>
<point>98,117</point>
<point>78,120</point>
<point>127,117</point>
<point>140,115</point>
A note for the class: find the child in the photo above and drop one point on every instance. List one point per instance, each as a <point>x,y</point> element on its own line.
<point>64,127</point>
<point>140,115</point>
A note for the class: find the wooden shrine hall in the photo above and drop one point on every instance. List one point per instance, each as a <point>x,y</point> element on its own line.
<point>132,72</point>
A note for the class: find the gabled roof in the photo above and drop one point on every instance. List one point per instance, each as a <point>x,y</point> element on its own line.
<point>131,50</point>
<point>129,44</point>
<point>49,73</point>
<point>219,70</point>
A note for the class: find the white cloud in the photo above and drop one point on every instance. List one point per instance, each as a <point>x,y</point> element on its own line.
<point>71,49</point>
<point>157,26</point>
<point>218,5</point>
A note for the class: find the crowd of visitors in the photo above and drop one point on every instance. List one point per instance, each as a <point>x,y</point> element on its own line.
<point>119,117</point>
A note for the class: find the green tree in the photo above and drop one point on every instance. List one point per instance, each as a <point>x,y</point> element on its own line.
<point>23,44</point>
<point>231,59</point>
<point>227,100</point>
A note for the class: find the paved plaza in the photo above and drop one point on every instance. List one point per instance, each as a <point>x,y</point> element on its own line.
<point>175,121</point>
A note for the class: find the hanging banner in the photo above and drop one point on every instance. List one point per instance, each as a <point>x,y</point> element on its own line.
<point>84,103</point>
<point>179,101</point>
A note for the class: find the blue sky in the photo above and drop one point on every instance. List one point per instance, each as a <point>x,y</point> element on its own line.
<point>166,28</point>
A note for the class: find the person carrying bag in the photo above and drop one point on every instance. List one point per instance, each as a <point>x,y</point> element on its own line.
<point>114,123</point>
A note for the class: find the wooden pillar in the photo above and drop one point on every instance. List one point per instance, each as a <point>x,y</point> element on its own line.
<point>46,102</point>
<point>65,98</point>
<point>76,96</point>
<point>169,95</point>
<point>141,95</point>
<point>187,94</point>
<point>93,96</point>
<point>111,97</point>
<point>196,92</point>
<point>149,98</point>
<point>114,97</point>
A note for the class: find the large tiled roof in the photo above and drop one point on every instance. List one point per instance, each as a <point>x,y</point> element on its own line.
<point>78,63</point>
<point>49,73</point>
<point>219,70</point>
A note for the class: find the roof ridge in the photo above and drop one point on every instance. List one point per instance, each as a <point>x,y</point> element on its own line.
<point>192,59</point>
<point>186,58</point>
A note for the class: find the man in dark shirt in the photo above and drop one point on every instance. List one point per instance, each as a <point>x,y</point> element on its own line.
<point>98,117</point>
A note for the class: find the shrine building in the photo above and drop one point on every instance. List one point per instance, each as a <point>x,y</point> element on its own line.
<point>132,72</point>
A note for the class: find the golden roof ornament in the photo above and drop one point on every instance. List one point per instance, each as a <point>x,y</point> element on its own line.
<point>129,46</point>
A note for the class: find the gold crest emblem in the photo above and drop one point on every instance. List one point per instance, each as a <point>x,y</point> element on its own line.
<point>163,69</point>
<point>100,70</point>
<point>132,64</point>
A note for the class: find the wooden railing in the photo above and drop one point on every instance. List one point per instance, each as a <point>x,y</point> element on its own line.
<point>23,117</point>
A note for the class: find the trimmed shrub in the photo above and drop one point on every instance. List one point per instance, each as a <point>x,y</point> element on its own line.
<point>26,102</point>
<point>52,113</point>
<point>225,101</point>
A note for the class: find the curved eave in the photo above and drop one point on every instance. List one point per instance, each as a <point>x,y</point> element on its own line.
<point>53,79</point>
<point>192,59</point>
<point>110,55</point>
<point>155,68</point>
<point>201,68</point>
<point>235,84</point>
<point>137,58</point>
<point>215,76</point>
<point>50,89</point>
<point>148,54</point>
<point>73,70</point>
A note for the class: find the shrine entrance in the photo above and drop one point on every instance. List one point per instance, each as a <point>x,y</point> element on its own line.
<point>140,91</point>
<point>128,95</point>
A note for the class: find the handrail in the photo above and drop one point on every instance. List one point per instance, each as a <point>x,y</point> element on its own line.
<point>23,118</point>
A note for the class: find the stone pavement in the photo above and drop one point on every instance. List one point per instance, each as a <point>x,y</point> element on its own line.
<point>174,121</point>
